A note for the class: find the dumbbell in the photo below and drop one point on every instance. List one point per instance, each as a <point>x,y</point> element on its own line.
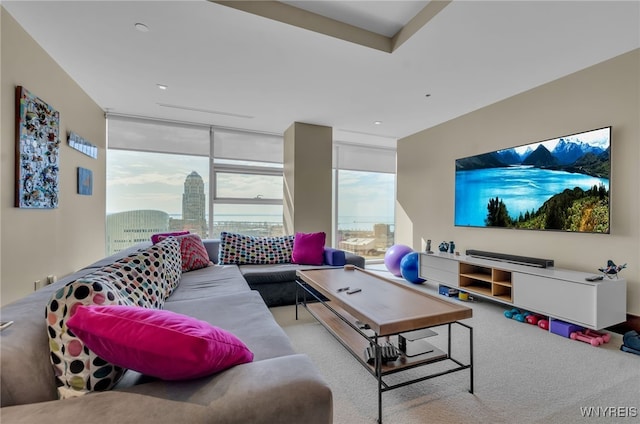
<point>510,314</point>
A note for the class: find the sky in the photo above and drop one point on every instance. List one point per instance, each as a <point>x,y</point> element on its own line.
<point>598,138</point>
<point>143,180</point>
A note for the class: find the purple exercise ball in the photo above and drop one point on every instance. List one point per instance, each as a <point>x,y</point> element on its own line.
<point>394,256</point>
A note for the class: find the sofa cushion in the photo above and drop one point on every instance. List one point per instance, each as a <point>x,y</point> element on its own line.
<point>155,238</point>
<point>243,249</point>
<point>148,276</point>
<point>161,344</point>
<point>334,257</point>
<point>308,248</point>
<point>192,252</point>
<point>246,316</point>
<point>79,370</point>
<point>209,282</point>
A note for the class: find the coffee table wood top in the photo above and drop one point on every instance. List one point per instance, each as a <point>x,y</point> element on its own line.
<point>387,306</point>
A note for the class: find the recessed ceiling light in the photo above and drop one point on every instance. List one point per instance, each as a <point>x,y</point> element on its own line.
<point>162,86</point>
<point>377,122</point>
<point>141,27</point>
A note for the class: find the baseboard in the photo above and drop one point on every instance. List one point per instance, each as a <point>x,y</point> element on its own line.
<point>632,323</point>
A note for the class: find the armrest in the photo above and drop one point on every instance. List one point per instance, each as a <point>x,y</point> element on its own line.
<point>353,259</point>
<point>262,392</point>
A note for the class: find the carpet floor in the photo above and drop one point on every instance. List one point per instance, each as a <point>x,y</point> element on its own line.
<point>522,374</point>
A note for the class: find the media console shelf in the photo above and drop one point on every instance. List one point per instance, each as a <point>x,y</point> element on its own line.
<point>557,293</point>
<point>486,281</point>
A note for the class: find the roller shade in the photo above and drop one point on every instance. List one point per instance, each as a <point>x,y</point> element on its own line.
<point>240,145</point>
<point>354,157</point>
<point>157,136</point>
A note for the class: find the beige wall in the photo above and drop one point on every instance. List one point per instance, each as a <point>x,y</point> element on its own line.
<point>40,242</point>
<point>599,96</point>
<point>307,162</point>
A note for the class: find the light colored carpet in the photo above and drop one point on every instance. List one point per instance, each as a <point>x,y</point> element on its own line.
<point>522,375</point>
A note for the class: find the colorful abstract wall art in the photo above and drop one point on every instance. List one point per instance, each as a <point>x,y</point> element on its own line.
<point>85,181</point>
<point>37,152</point>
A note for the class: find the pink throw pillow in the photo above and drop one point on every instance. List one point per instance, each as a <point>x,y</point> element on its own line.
<point>158,343</point>
<point>194,254</point>
<point>308,248</point>
<point>155,238</point>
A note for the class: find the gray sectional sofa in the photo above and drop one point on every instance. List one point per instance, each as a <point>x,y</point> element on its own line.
<point>278,386</point>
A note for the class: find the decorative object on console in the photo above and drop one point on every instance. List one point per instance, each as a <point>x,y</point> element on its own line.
<point>393,257</point>
<point>452,247</point>
<point>37,152</point>
<point>410,268</point>
<point>428,247</point>
<point>443,247</point>
<point>158,343</point>
<point>612,269</point>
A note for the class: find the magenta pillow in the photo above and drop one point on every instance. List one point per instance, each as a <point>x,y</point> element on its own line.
<point>308,248</point>
<point>158,343</point>
<point>194,254</point>
<point>155,238</point>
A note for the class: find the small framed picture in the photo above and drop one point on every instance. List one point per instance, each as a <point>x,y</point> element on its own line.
<point>85,181</point>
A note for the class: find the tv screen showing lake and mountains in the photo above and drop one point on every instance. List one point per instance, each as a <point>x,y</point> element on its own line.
<point>560,184</point>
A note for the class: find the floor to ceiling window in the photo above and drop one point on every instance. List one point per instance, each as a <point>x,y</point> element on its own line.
<point>166,176</point>
<point>364,199</point>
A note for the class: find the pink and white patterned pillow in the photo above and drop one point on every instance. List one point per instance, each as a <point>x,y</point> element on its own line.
<point>192,251</point>
<point>242,249</point>
<point>79,370</point>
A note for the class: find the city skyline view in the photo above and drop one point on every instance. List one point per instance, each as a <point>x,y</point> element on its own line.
<point>155,181</point>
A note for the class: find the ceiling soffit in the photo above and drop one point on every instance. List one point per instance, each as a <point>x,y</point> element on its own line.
<point>311,21</point>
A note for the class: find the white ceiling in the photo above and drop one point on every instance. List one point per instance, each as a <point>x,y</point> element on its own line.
<point>234,69</point>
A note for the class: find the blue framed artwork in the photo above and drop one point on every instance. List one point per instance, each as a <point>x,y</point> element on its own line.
<point>85,181</point>
<point>37,152</point>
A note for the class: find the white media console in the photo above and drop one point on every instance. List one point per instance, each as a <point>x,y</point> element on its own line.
<point>557,293</point>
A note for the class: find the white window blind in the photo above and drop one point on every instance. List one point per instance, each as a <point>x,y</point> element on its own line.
<point>157,136</point>
<point>354,157</point>
<point>247,146</point>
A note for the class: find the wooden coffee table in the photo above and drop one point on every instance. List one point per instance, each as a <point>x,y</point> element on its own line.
<point>383,310</point>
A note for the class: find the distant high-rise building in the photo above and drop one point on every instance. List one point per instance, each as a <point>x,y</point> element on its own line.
<point>193,207</point>
<point>124,229</point>
<point>193,200</point>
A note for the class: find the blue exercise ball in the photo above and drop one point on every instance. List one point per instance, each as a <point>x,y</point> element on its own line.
<point>394,255</point>
<point>409,268</point>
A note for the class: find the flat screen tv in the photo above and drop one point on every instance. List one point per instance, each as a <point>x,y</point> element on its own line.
<point>561,184</point>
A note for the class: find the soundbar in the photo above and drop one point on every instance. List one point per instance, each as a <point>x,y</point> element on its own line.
<point>514,259</point>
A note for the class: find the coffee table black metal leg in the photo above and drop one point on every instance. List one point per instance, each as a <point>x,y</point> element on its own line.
<point>379,375</point>
<point>471,359</point>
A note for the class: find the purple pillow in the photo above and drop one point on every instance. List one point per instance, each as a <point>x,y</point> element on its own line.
<point>308,248</point>
<point>334,257</point>
<point>158,343</point>
<point>155,238</point>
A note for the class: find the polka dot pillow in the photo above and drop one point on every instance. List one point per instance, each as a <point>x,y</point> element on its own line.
<point>145,279</point>
<point>242,249</point>
<point>77,369</point>
<point>148,276</point>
